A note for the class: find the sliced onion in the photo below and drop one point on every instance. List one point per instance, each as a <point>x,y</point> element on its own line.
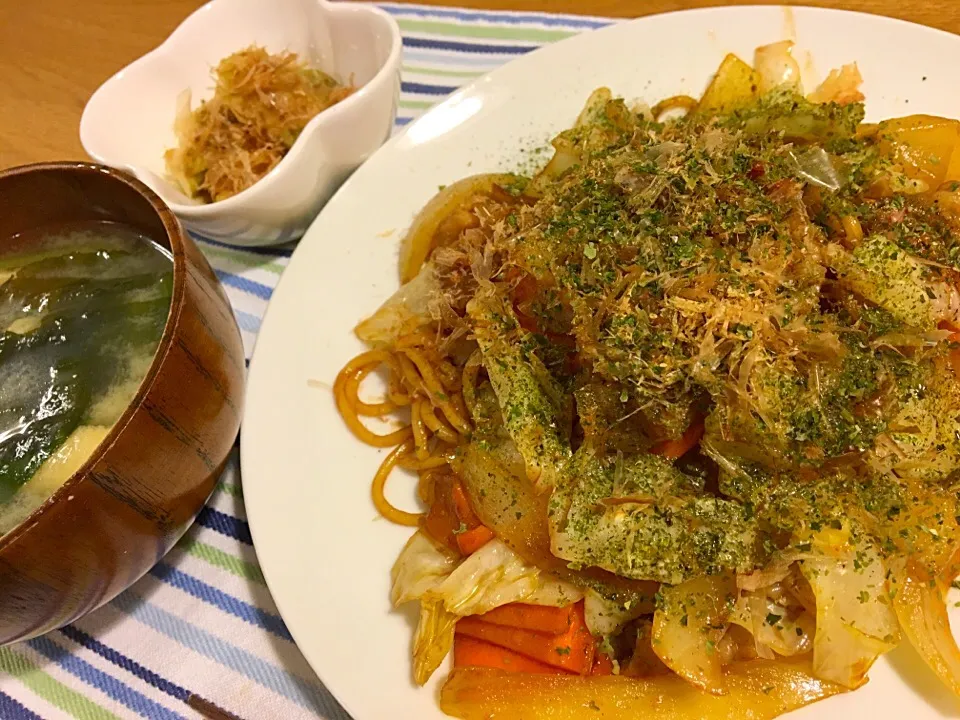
<point>816,167</point>
<point>922,613</point>
<point>409,308</point>
<point>595,107</point>
<point>419,240</point>
<point>688,627</point>
<point>776,67</point>
<point>841,86</point>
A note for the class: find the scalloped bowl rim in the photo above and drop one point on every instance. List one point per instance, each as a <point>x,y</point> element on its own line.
<point>160,53</point>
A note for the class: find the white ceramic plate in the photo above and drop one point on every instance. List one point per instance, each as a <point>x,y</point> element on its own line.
<point>325,553</point>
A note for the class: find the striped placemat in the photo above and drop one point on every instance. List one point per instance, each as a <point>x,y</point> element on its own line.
<point>200,636</point>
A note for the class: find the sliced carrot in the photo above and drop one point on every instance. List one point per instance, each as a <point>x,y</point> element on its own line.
<point>572,650</point>
<point>602,664</point>
<point>468,651</point>
<point>461,504</point>
<point>536,618</point>
<point>955,354</point>
<point>678,447</point>
<point>469,541</point>
<point>451,519</point>
<point>470,534</point>
<point>529,324</point>
<point>526,289</point>
<point>441,522</point>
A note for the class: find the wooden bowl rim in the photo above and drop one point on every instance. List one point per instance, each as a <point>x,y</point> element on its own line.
<point>176,238</point>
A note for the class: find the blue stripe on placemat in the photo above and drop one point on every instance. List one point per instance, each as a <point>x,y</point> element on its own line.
<point>247,321</point>
<point>107,684</point>
<point>267,674</point>
<point>271,250</point>
<point>225,524</point>
<point>427,89</point>
<point>219,599</point>
<point>466,47</point>
<point>10,709</point>
<point>497,17</point>
<point>122,661</point>
<point>246,284</point>
<point>435,58</point>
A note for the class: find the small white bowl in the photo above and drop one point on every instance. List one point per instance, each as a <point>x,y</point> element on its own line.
<point>128,122</point>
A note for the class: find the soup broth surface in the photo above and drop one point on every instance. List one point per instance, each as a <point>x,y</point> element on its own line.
<point>82,309</point>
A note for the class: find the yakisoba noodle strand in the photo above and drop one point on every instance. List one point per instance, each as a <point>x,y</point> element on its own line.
<point>423,383</point>
<point>384,507</point>
<point>345,392</point>
<point>692,392</point>
<point>677,102</point>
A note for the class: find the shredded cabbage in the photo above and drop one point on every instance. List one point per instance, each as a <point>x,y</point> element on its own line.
<point>777,627</point>
<point>433,639</point>
<point>605,616</point>
<point>855,621</point>
<point>421,566</point>
<point>492,576</point>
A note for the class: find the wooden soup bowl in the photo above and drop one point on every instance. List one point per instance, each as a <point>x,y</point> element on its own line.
<point>144,485</point>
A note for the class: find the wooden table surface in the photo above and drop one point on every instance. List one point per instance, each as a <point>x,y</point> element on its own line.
<point>54,53</point>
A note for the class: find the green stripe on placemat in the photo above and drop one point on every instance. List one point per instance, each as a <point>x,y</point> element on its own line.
<point>434,27</point>
<point>223,560</point>
<point>442,73</point>
<point>417,104</point>
<point>231,489</point>
<point>247,260</point>
<point>51,690</point>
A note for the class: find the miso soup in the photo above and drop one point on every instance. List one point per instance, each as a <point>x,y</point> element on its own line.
<point>82,309</point>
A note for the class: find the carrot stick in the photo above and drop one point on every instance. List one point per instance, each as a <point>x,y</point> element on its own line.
<point>469,541</point>
<point>602,664</point>
<point>451,519</point>
<point>955,354</point>
<point>678,447</point>
<point>441,523</point>
<point>461,504</point>
<point>536,618</point>
<point>525,289</point>
<point>529,324</point>
<point>468,651</point>
<point>572,650</point>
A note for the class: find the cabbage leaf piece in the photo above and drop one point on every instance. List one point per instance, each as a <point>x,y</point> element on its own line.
<point>855,621</point>
<point>530,412</point>
<point>447,589</point>
<point>641,518</point>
